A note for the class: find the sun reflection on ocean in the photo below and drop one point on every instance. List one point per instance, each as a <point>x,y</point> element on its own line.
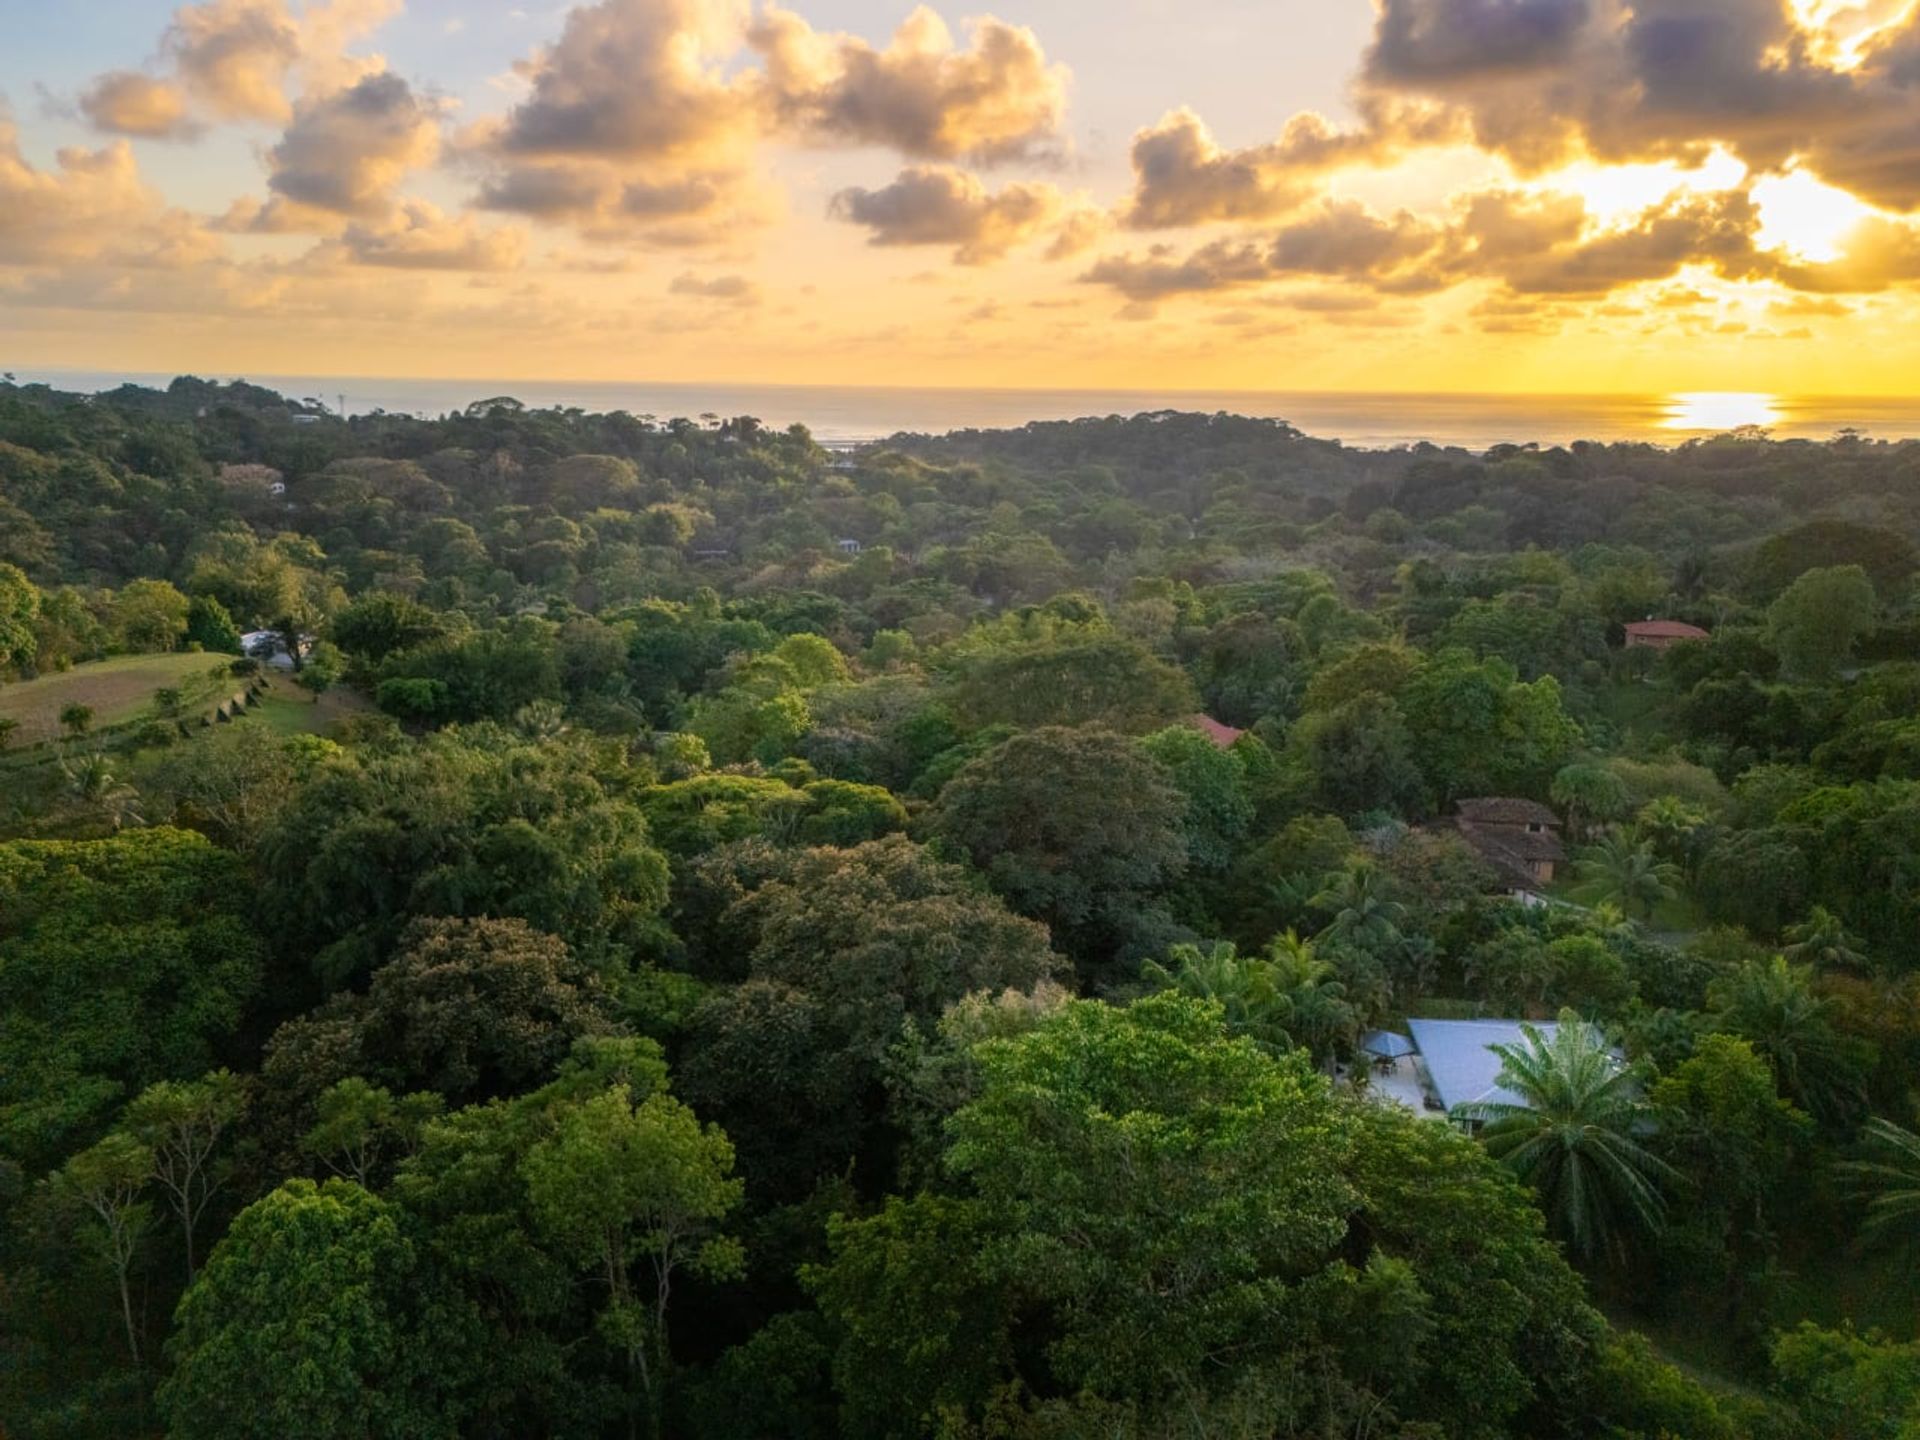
<point>1716,411</point>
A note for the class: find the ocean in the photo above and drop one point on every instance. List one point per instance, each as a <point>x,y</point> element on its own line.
<point>850,414</point>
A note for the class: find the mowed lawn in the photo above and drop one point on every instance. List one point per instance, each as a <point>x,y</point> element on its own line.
<point>118,690</point>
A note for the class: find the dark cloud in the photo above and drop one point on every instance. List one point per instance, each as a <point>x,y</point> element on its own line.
<point>1456,40</point>
<point>938,205</point>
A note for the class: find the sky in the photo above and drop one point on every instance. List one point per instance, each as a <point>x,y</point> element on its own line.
<point>1513,196</point>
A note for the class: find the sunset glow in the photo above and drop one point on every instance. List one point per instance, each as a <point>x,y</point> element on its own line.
<point>865,192</point>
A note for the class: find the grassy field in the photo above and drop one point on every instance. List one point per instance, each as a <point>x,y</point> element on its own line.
<point>286,709</point>
<point>118,690</point>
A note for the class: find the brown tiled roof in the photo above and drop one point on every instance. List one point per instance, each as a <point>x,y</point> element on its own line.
<point>1503,810</point>
<point>1528,845</point>
<point>1666,630</point>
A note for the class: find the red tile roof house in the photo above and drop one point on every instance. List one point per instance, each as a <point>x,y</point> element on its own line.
<point>1221,735</point>
<point>1518,838</point>
<point>1661,634</point>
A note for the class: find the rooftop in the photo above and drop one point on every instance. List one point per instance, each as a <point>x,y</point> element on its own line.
<point>1459,1059</point>
<point>1506,810</point>
<point>1221,735</point>
<point>1666,630</point>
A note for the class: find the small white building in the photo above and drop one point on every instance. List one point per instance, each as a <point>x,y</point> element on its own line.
<point>848,546</point>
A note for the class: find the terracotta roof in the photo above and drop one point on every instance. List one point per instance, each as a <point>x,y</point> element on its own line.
<point>1221,735</point>
<point>1666,630</point>
<point>1504,810</point>
<point>1526,844</point>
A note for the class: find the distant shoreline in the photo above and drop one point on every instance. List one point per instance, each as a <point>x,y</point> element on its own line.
<point>842,415</point>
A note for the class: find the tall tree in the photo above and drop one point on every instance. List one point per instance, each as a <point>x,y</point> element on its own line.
<point>181,1122</point>
<point>1622,869</point>
<point>1888,1177</point>
<point>107,1179</point>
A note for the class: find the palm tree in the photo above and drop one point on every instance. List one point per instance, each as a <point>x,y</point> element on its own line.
<point>1240,984</point>
<point>1890,1181</point>
<point>1772,1006</point>
<point>1622,869</point>
<point>1310,1004</point>
<point>1283,999</point>
<point>1573,1136</point>
<point>93,781</point>
<point>1822,941</point>
<point>1363,916</point>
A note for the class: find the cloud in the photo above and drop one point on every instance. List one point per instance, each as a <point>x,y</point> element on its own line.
<point>344,153</point>
<point>234,60</point>
<point>631,124</point>
<point>999,99</point>
<point>1183,177</point>
<point>125,102</point>
<point>939,205</point>
<point>418,236</point>
<point>1528,244</point>
<point>1543,81</point>
<point>233,56</point>
<point>93,207</point>
<point>731,289</point>
<point>1461,40</point>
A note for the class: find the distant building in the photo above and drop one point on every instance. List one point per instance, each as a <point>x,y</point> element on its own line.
<point>1221,735</point>
<point>1518,838</point>
<point>848,546</point>
<point>269,647</point>
<point>1661,634</point>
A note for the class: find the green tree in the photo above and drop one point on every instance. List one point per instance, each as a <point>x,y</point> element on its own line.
<point>19,606</point>
<point>322,671</point>
<point>1087,679</point>
<point>76,719</point>
<point>210,627</point>
<point>1821,617</point>
<point>1773,1006</point>
<point>1588,794</point>
<point>1077,828</point>
<point>150,615</point>
<point>122,962</point>
<point>181,1123</point>
<point>1622,869</point>
<point>1574,1136</point>
<point>107,1180</point>
<point>619,1185</point>
<point>358,1123</point>
<point>1219,808</point>
<point>307,1322</point>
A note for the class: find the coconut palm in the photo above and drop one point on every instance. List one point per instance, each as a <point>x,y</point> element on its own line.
<point>1622,869</point>
<point>1823,941</point>
<point>1573,1136</point>
<point>1890,1182</point>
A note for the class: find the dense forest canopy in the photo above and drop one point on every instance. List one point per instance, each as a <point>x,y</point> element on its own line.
<point>621,925</point>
